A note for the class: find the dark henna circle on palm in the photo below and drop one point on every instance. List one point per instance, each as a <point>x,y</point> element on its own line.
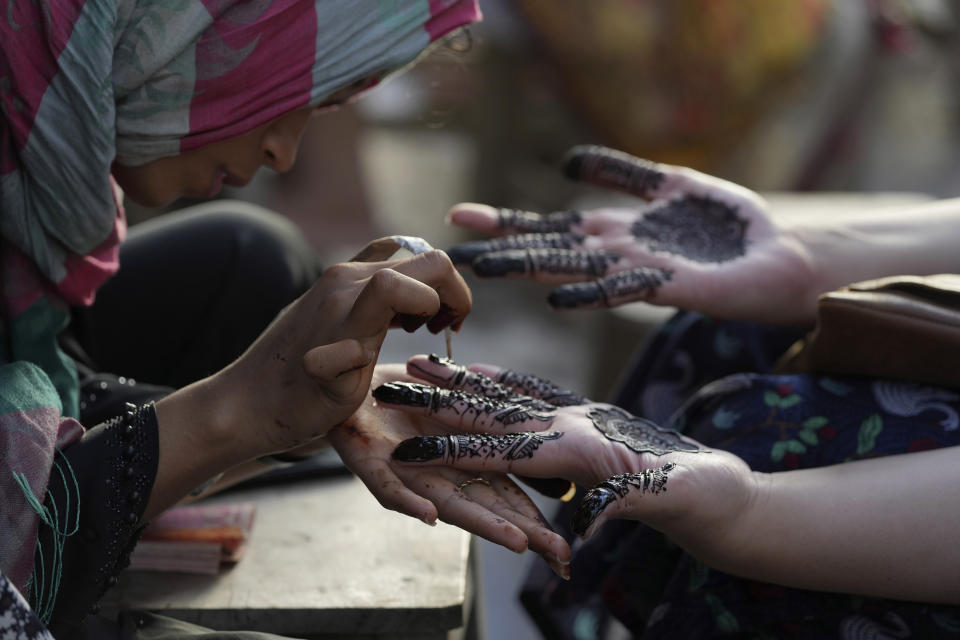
<point>638,434</point>
<point>460,402</point>
<point>537,387</point>
<point>467,252</point>
<point>508,446</point>
<point>533,261</point>
<point>638,284</point>
<point>700,229</point>
<point>616,169</point>
<point>481,385</point>
<point>530,222</point>
<point>652,481</point>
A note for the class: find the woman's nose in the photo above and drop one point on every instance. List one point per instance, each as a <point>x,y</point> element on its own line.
<point>281,140</point>
<point>279,151</point>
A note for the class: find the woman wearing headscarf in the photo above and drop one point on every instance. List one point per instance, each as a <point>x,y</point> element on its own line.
<point>167,99</point>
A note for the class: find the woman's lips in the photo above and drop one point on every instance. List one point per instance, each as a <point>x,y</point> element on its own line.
<point>216,184</point>
<point>235,181</point>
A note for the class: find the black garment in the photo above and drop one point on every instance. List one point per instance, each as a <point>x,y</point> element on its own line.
<point>194,290</point>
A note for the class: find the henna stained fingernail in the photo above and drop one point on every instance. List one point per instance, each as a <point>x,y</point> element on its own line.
<point>420,449</point>
<point>698,228</point>
<point>637,284</point>
<point>410,322</point>
<point>409,394</point>
<point>442,319</point>
<point>653,481</point>
<point>530,222</point>
<point>611,168</point>
<point>491,389</point>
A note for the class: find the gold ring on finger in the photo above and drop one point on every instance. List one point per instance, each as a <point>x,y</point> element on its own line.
<point>466,483</point>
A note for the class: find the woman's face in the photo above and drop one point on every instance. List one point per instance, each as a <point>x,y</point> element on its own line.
<point>201,173</point>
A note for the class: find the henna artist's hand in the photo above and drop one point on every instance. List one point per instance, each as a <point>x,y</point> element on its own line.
<point>488,504</point>
<point>311,368</point>
<point>630,462</point>
<point>699,243</point>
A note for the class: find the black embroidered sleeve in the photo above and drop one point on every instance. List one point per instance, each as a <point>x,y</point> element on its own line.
<point>115,465</point>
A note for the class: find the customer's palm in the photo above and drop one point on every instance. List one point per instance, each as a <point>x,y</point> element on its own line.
<point>496,509</point>
<point>698,242</point>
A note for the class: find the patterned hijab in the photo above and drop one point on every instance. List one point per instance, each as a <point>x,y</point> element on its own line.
<point>83,83</point>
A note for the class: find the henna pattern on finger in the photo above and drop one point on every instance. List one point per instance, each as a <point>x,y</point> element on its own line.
<point>467,252</point>
<point>411,394</point>
<point>638,284</point>
<point>638,434</point>
<point>479,384</point>
<point>530,222</point>
<point>612,168</point>
<point>700,229</point>
<point>533,261</point>
<point>652,481</point>
<point>508,446</point>
<point>537,387</point>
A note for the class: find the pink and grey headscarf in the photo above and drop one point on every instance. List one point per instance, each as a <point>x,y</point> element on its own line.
<point>84,83</point>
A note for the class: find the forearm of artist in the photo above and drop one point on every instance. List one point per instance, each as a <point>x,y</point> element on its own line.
<point>846,248</point>
<point>887,527</point>
<point>200,436</point>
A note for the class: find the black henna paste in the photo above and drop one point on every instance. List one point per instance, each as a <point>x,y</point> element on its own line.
<point>701,229</point>
<point>639,434</point>
<point>462,378</point>
<point>633,285</point>
<point>460,402</point>
<point>507,446</point>
<point>533,261</point>
<point>467,252</point>
<point>537,387</point>
<point>610,168</point>
<point>599,498</point>
<point>530,222</point>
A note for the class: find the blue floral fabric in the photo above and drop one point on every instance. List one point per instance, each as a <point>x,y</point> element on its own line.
<point>712,380</point>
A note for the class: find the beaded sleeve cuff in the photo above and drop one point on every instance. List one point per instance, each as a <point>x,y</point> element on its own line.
<point>115,464</point>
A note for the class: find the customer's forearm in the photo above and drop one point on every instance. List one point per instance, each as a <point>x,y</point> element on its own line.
<point>887,527</point>
<point>916,240</point>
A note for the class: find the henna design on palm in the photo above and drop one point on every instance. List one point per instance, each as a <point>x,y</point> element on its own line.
<point>509,446</point>
<point>460,402</point>
<point>530,222</point>
<point>636,284</point>
<point>652,481</point>
<point>638,434</point>
<point>557,261</point>
<point>700,229</point>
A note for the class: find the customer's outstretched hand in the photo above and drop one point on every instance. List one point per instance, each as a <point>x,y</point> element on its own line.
<point>637,470</point>
<point>697,242</point>
<point>488,503</point>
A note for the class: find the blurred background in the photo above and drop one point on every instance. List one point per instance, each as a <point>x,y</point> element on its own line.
<point>778,95</point>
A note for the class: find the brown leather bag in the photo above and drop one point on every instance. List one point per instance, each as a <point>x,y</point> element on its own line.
<point>902,327</point>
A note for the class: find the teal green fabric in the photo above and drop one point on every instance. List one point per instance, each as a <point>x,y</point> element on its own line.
<point>34,338</point>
